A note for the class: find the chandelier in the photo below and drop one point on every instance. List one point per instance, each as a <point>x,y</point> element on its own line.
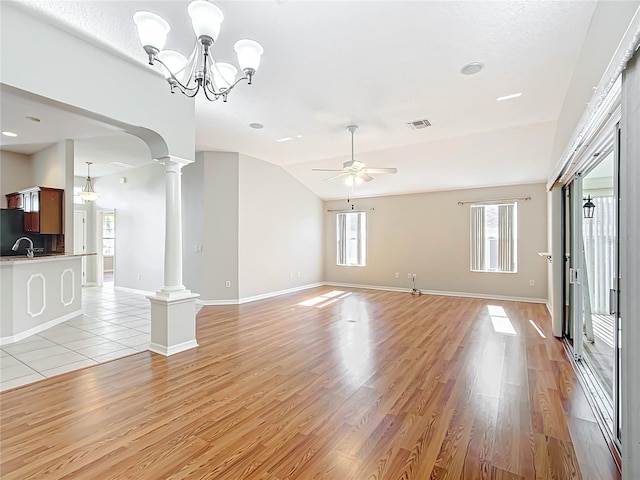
<point>199,71</point>
<point>87,192</point>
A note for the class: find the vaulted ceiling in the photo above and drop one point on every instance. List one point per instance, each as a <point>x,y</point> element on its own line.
<point>379,65</point>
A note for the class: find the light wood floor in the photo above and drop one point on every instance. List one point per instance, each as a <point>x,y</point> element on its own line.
<point>372,385</point>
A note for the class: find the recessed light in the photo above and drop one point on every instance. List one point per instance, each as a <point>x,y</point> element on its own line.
<point>257,126</point>
<point>509,97</point>
<point>9,134</point>
<point>298,136</point>
<point>33,119</point>
<point>472,68</point>
<point>285,139</point>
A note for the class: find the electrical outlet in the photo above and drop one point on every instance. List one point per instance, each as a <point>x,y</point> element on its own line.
<point>397,274</point>
<point>197,248</point>
<point>139,276</point>
<point>290,274</point>
<point>413,277</point>
<point>298,274</point>
<point>409,276</point>
<point>227,284</point>
<point>532,283</point>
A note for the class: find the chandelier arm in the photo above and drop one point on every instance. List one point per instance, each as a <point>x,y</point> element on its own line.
<point>208,92</point>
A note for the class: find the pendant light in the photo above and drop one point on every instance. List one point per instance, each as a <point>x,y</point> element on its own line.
<point>87,192</point>
<point>588,207</point>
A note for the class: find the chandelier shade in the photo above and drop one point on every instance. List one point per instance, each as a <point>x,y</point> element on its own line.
<point>199,72</point>
<point>152,30</point>
<point>87,192</point>
<point>173,63</point>
<point>205,18</point>
<point>249,53</point>
<point>224,74</point>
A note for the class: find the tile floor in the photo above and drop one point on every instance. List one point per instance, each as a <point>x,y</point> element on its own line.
<point>115,324</point>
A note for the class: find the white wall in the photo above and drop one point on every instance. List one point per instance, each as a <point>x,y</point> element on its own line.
<point>280,230</point>
<point>193,225</point>
<point>428,234</point>
<point>139,206</point>
<point>221,241</point>
<point>15,174</point>
<point>630,268</point>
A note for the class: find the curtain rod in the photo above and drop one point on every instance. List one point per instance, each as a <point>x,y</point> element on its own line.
<point>345,210</point>
<point>495,200</point>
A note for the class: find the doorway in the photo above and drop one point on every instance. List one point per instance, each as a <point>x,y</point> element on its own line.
<point>108,247</point>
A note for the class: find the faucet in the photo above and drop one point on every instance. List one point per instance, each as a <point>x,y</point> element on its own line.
<point>29,249</point>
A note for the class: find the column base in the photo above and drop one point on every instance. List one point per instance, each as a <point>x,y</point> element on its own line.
<point>173,322</point>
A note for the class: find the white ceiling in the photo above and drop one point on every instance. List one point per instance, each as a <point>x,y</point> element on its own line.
<point>377,64</point>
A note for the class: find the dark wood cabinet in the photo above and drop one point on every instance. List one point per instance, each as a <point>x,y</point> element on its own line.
<point>14,200</point>
<point>43,210</point>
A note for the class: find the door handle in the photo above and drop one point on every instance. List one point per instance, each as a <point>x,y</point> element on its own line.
<point>613,308</point>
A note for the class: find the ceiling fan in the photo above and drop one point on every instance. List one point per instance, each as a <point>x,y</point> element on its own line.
<point>355,172</point>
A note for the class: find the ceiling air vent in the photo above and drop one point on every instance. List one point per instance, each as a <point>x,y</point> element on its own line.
<point>418,124</point>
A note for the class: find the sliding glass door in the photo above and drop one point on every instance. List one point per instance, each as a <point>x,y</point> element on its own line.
<point>592,323</point>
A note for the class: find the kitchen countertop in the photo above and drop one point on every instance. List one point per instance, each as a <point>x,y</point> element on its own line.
<point>46,256</point>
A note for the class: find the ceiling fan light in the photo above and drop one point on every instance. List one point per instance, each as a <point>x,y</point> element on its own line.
<point>205,18</point>
<point>249,53</point>
<point>358,180</point>
<point>224,74</point>
<point>152,29</point>
<point>349,180</point>
<point>174,63</point>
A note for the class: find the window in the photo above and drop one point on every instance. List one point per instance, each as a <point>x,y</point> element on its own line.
<point>352,238</point>
<point>108,234</point>
<point>77,199</point>
<point>494,238</point>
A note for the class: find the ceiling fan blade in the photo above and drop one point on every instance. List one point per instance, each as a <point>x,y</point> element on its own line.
<point>365,177</point>
<point>381,170</point>
<point>336,176</point>
<point>326,170</point>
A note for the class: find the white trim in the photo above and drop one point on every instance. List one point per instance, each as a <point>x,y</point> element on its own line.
<point>40,328</point>
<point>167,351</point>
<point>44,295</point>
<point>134,290</point>
<point>549,308</point>
<point>442,293</point>
<point>73,287</point>
<point>262,296</point>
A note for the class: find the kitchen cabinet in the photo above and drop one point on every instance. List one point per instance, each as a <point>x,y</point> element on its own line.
<point>43,208</point>
<point>14,200</point>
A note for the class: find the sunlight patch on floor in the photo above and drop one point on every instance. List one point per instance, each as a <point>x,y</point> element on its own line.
<point>324,299</point>
<point>500,320</point>
<point>537,328</point>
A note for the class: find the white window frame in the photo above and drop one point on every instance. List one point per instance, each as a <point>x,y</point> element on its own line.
<point>351,252</point>
<point>505,251</point>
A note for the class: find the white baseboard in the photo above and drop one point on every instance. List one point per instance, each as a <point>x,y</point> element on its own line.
<point>372,287</point>
<point>172,350</point>
<point>39,328</point>
<point>548,304</point>
<point>442,293</point>
<point>133,290</point>
<point>262,296</point>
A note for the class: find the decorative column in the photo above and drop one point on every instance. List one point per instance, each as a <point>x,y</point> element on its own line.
<point>173,308</point>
